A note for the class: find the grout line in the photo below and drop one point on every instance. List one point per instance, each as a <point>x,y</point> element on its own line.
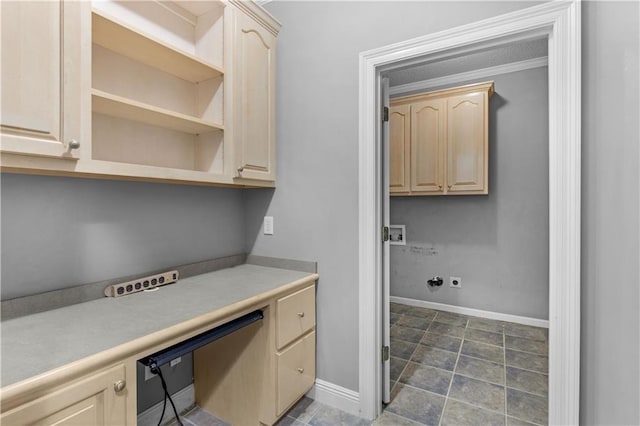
<point>528,392</point>
<point>527,352</point>
<point>480,380</point>
<point>475,405</point>
<point>423,390</point>
<point>526,421</point>
<point>453,374</point>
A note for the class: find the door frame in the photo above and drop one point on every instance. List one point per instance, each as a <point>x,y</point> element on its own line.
<point>560,23</point>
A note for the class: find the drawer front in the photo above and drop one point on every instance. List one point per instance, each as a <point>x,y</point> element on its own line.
<point>296,371</point>
<point>296,314</point>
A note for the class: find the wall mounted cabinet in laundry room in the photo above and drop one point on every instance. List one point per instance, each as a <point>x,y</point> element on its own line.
<point>439,142</point>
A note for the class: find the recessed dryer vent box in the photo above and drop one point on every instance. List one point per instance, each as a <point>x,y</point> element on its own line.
<point>397,235</point>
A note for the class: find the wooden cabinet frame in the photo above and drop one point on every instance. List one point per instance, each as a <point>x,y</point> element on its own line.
<point>198,112</point>
<point>448,141</point>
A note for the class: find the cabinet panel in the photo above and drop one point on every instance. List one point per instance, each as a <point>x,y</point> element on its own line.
<point>91,401</point>
<point>296,371</point>
<point>427,145</point>
<point>466,135</point>
<point>255,50</point>
<point>40,77</point>
<point>399,148</point>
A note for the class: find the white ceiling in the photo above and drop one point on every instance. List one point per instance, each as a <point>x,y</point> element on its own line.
<point>513,52</point>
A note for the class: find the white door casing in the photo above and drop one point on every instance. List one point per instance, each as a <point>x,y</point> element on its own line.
<point>560,23</point>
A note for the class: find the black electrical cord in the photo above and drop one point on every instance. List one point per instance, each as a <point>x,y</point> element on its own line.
<point>164,407</point>
<point>156,370</point>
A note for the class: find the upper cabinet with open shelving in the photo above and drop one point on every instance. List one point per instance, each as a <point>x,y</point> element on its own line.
<point>158,86</point>
<point>161,94</point>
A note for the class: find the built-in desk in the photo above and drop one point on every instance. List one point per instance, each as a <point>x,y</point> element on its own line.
<point>79,362</point>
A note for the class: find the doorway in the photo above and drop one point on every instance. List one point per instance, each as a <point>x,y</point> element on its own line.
<point>559,23</point>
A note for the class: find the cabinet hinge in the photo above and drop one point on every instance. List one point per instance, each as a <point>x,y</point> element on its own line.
<point>385,233</point>
<point>385,353</point>
<point>385,114</point>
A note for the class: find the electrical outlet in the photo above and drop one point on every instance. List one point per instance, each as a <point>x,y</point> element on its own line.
<point>148,375</point>
<point>455,282</point>
<point>268,225</point>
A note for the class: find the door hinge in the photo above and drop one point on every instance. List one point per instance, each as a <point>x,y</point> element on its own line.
<point>385,353</point>
<point>385,113</point>
<point>385,233</point>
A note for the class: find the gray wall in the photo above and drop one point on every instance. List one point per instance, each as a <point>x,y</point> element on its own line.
<point>499,243</point>
<point>315,205</point>
<point>61,232</point>
<point>610,355</point>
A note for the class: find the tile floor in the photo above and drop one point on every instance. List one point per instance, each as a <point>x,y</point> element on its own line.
<point>447,369</point>
<point>452,369</point>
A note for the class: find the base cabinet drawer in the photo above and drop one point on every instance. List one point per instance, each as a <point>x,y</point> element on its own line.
<point>296,314</point>
<point>296,371</point>
<point>100,399</point>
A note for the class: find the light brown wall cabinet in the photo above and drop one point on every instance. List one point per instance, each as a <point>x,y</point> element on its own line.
<point>41,82</point>
<point>439,142</point>
<point>255,82</point>
<point>170,91</point>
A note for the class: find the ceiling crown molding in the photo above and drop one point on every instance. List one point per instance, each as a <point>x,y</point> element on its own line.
<point>481,73</point>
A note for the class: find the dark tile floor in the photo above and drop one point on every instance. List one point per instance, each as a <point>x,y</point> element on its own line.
<point>451,369</point>
<point>447,369</point>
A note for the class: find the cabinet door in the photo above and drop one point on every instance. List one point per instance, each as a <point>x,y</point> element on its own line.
<point>467,143</point>
<point>40,77</point>
<point>427,146</point>
<point>399,149</point>
<point>254,98</point>
<point>91,401</point>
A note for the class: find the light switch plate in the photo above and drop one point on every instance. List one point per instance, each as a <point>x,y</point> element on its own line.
<point>268,225</point>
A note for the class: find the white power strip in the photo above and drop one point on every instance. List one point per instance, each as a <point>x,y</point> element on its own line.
<point>141,284</point>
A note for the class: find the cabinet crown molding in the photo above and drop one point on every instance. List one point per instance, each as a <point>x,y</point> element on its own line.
<point>259,14</point>
<point>487,86</point>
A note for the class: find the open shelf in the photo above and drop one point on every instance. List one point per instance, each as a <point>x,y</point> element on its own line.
<point>127,41</point>
<point>117,106</point>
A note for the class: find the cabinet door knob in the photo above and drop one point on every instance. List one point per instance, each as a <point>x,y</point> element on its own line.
<point>439,186</point>
<point>300,370</point>
<point>120,385</point>
<point>301,314</point>
<point>240,169</point>
<point>449,186</point>
<point>73,144</point>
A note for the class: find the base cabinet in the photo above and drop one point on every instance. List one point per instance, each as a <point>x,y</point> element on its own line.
<point>98,399</point>
<point>296,371</point>
<point>254,375</point>
<point>447,147</point>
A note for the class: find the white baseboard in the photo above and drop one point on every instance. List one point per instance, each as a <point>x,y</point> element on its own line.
<point>184,398</point>
<point>336,396</point>
<point>473,312</point>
